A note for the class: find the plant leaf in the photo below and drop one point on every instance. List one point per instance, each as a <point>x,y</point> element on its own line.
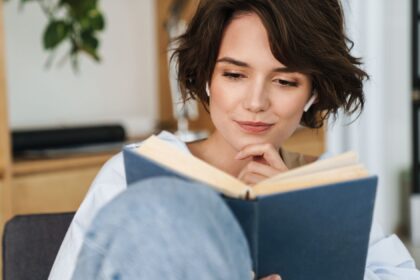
<point>79,8</point>
<point>89,40</point>
<point>55,33</point>
<point>97,20</point>
<point>90,44</point>
<point>94,21</point>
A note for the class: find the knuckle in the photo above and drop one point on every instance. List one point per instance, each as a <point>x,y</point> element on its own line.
<point>268,146</point>
<point>250,178</point>
<point>251,165</point>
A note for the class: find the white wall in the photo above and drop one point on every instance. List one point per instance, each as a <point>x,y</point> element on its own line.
<point>121,88</point>
<point>397,94</point>
<point>382,135</point>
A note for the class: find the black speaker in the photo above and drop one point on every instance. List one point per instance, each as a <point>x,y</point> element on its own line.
<point>53,138</point>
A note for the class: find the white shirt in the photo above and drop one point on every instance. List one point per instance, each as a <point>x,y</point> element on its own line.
<point>388,259</point>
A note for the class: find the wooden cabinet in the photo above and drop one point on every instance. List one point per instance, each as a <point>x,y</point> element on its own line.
<point>55,185</point>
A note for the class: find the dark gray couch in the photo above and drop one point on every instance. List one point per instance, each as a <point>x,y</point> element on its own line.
<point>30,244</point>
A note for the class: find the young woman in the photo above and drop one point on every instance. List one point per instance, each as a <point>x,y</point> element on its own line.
<point>262,68</point>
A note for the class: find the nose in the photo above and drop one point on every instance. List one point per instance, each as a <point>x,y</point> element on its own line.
<point>257,98</point>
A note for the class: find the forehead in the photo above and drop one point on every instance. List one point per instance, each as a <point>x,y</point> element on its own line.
<point>245,38</point>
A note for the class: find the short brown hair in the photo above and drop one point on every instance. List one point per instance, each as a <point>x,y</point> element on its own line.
<point>305,35</point>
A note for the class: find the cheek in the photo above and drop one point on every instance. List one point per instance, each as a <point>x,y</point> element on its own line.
<point>289,108</point>
<point>223,100</point>
<point>220,110</point>
<point>288,115</point>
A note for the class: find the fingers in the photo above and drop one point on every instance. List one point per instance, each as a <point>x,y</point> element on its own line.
<point>250,178</point>
<point>267,152</point>
<point>269,277</point>
<point>254,172</point>
<point>266,162</point>
<point>272,277</point>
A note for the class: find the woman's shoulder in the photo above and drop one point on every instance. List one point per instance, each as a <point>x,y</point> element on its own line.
<point>113,171</point>
<point>111,180</point>
<point>167,137</point>
<point>108,183</point>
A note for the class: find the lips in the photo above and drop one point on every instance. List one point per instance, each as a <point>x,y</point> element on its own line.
<point>254,127</point>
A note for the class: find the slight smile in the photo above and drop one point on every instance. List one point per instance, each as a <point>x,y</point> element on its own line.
<point>254,127</point>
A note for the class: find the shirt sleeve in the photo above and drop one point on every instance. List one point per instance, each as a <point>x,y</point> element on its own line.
<point>109,182</point>
<point>388,258</point>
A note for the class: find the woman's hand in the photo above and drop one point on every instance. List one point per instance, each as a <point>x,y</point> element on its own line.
<point>272,277</point>
<point>269,277</point>
<point>266,162</point>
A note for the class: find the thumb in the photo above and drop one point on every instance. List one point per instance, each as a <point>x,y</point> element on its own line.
<point>272,277</point>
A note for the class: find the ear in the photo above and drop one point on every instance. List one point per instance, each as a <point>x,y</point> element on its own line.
<point>312,100</point>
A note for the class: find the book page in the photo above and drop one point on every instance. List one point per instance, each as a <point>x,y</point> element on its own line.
<point>325,177</point>
<point>171,157</point>
<point>342,160</point>
<point>332,170</point>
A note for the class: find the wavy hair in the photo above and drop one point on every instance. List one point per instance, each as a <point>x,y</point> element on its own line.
<point>307,36</point>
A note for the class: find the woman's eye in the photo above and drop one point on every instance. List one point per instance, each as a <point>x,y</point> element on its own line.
<point>233,76</point>
<point>286,83</point>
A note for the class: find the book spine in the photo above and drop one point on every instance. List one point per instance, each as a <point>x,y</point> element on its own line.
<point>249,194</point>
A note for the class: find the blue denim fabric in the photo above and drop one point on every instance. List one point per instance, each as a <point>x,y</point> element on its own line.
<point>165,228</point>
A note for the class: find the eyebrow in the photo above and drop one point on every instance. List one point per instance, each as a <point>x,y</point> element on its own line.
<point>239,63</point>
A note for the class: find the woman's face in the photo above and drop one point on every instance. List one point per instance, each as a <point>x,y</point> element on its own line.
<point>254,99</point>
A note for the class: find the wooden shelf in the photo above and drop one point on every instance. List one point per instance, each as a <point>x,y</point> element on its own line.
<point>26,167</point>
<point>52,192</point>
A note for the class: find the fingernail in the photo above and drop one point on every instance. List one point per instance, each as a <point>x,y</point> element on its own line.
<point>275,277</point>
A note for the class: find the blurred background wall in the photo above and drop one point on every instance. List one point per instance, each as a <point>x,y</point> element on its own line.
<point>122,88</point>
<point>381,30</point>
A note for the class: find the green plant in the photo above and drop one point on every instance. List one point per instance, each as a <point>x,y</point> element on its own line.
<point>75,21</point>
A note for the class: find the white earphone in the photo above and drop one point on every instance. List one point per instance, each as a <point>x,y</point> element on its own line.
<point>310,102</point>
<point>207,89</point>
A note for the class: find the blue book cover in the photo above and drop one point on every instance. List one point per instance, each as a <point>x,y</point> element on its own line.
<point>315,233</point>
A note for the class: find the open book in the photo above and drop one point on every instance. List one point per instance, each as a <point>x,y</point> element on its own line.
<point>340,168</point>
<point>311,222</point>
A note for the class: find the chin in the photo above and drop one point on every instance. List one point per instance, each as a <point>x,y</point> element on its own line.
<point>241,141</point>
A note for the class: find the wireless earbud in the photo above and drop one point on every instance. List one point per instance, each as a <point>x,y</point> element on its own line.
<point>310,102</point>
<point>207,89</point>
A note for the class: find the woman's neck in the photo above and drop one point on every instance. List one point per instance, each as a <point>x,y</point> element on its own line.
<point>217,152</point>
